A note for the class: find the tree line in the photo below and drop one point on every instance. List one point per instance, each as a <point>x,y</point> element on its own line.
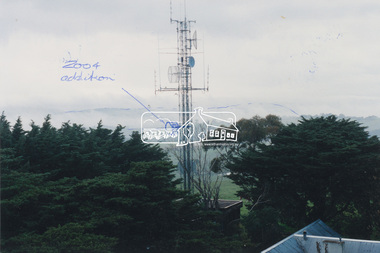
<point>320,168</point>
<point>74,189</point>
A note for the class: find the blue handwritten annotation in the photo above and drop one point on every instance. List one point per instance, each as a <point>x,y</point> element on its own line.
<point>83,72</point>
<point>174,125</point>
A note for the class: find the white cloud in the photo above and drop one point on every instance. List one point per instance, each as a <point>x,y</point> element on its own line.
<point>312,57</point>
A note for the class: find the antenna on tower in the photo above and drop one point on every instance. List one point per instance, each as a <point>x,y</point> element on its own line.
<point>208,77</point>
<point>184,8</point>
<point>155,83</point>
<point>171,12</point>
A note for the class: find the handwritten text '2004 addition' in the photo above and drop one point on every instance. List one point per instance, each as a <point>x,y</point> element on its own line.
<point>86,74</point>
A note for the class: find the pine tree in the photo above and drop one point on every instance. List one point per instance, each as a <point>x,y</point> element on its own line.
<point>5,132</point>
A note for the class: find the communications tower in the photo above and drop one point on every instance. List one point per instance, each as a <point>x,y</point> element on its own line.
<point>182,76</point>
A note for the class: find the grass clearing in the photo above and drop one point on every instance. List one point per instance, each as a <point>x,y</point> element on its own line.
<point>228,190</point>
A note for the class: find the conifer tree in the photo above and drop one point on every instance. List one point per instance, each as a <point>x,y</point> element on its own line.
<point>320,168</point>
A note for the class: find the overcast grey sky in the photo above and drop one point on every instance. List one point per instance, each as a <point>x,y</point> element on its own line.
<point>274,56</point>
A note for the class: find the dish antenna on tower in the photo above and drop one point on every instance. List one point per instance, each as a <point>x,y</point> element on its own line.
<point>194,40</point>
<point>174,74</point>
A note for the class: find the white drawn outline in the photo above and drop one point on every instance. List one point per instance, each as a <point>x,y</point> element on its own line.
<point>201,127</point>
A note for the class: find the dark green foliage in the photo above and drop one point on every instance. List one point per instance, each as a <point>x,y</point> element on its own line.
<point>77,190</point>
<point>18,137</point>
<point>140,151</point>
<point>111,213</point>
<point>70,238</point>
<point>321,168</point>
<point>31,203</point>
<point>136,207</point>
<point>263,225</point>
<point>5,132</point>
<point>201,232</point>
<point>9,160</point>
<point>72,151</point>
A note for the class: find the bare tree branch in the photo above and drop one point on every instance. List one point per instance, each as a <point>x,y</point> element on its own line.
<point>204,180</point>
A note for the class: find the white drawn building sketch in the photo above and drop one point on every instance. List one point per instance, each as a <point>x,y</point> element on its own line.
<point>159,127</point>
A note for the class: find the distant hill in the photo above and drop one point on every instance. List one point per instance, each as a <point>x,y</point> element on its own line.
<point>372,122</point>
<point>131,118</point>
<point>375,132</point>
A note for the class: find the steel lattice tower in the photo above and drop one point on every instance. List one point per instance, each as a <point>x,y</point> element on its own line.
<point>181,74</point>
